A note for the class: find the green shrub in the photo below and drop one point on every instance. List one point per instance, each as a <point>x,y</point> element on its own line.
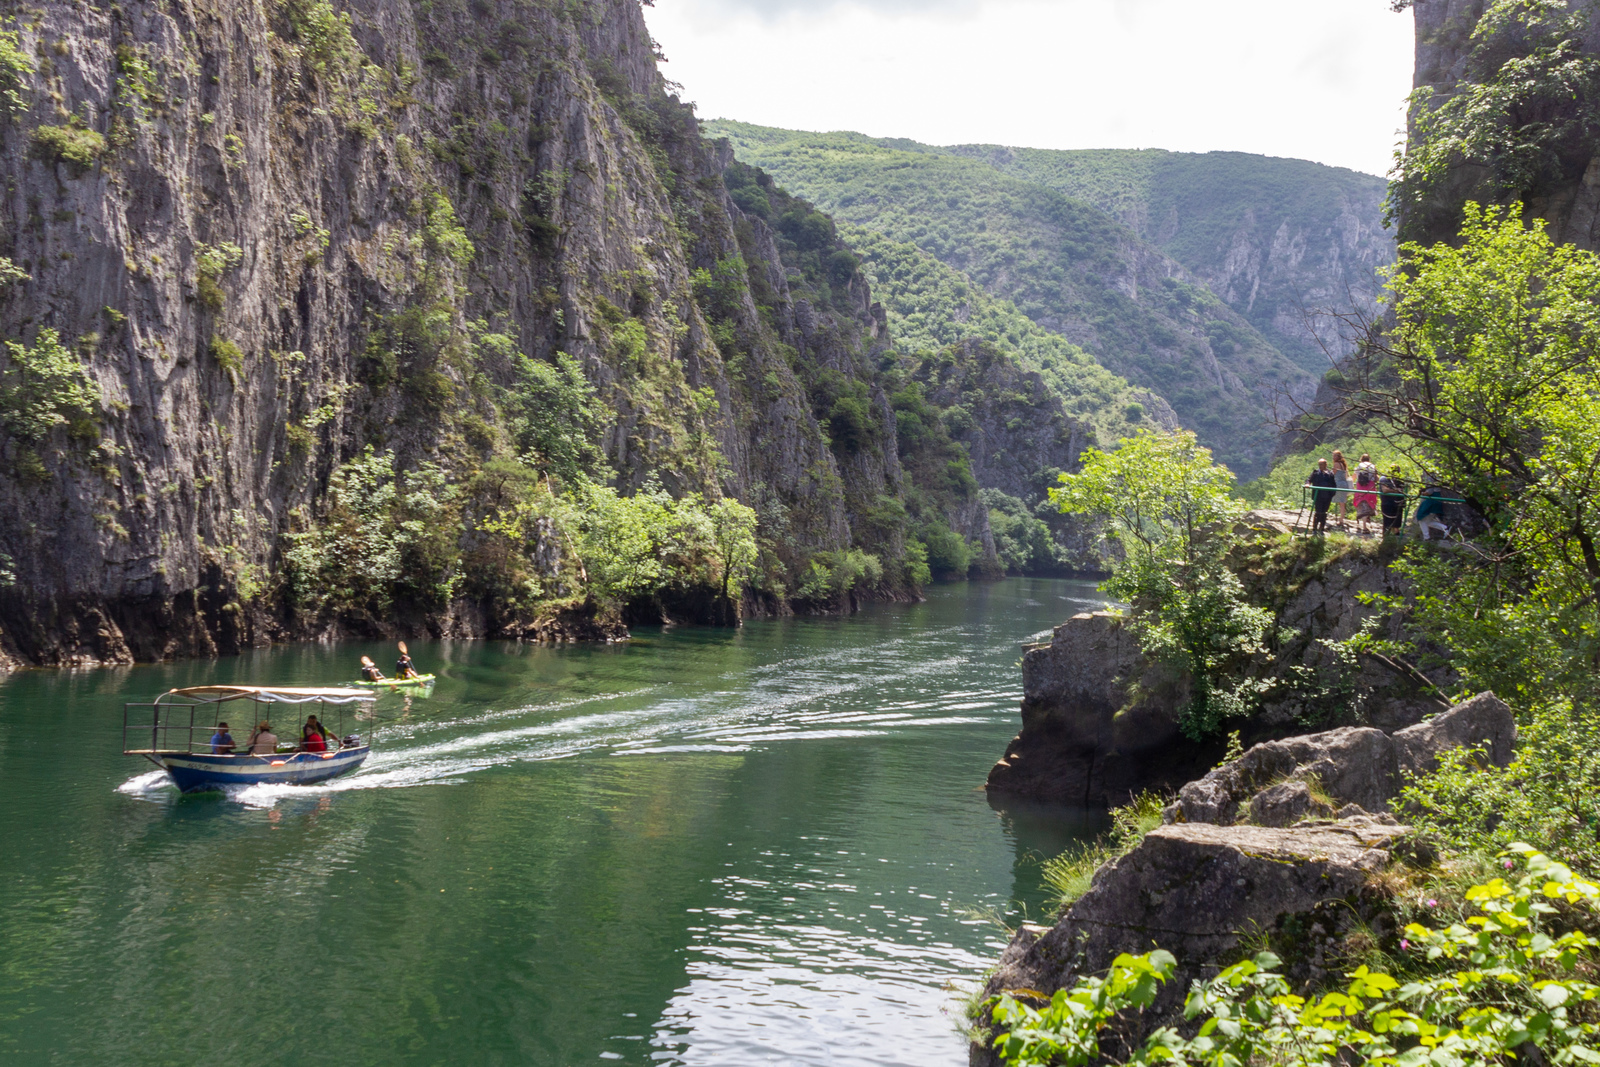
<point>1549,796</point>
<point>211,262</point>
<point>949,554</point>
<point>228,357</point>
<point>829,576</point>
<point>78,148</point>
<point>15,67</point>
<point>381,536</point>
<point>42,387</point>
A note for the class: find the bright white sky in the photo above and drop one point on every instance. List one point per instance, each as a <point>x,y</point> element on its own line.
<point>1314,79</point>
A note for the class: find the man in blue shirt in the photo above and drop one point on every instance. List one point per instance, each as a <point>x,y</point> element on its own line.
<point>221,741</point>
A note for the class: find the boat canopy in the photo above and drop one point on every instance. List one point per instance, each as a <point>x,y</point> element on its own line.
<point>262,694</point>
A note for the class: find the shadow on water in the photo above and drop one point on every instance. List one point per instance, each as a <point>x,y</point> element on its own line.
<point>702,847</point>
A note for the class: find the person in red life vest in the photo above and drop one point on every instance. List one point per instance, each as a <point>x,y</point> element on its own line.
<point>313,737</point>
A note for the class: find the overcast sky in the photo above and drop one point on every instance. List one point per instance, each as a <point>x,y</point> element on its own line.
<point>1315,79</point>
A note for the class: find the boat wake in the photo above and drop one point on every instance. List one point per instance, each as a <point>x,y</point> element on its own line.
<point>845,694</point>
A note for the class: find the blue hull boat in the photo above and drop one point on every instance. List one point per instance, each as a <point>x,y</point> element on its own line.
<point>180,731</point>
<point>199,773</point>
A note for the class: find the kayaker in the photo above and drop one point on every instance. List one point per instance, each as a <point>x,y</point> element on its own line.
<point>370,671</point>
<point>403,667</point>
<point>313,737</point>
<point>222,741</point>
<point>263,742</point>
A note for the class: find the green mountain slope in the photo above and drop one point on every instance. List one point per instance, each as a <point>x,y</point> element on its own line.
<point>931,306</point>
<point>1064,263</point>
<point>1276,238</point>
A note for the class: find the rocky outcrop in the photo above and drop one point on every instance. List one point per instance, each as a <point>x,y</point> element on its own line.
<point>1193,889</point>
<point>1100,721</point>
<point>1277,782</point>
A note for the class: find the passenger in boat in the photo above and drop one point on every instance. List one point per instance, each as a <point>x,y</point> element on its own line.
<point>313,737</point>
<point>263,742</point>
<point>370,671</point>
<point>403,667</point>
<point>222,741</point>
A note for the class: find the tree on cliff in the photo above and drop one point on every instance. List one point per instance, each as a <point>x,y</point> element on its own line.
<point>1489,380</point>
<point>1165,503</point>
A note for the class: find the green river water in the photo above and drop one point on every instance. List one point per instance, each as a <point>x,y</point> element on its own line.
<point>762,846</point>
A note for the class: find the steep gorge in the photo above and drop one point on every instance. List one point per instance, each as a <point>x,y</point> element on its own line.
<point>366,294</point>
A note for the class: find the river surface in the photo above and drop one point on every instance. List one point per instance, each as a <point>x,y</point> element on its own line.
<point>703,847</point>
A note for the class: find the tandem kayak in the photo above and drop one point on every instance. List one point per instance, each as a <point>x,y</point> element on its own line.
<point>421,681</point>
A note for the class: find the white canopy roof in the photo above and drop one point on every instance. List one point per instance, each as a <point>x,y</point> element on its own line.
<point>270,694</point>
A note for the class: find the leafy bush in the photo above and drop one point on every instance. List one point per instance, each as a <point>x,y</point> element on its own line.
<point>1549,796</point>
<point>42,387</point>
<point>830,576</point>
<point>79,148</point>
<point>228,357</point>
<point>1525,111</point>
<point>15,67</point>
<point>379,537</point>
<point>1507,983</point>
<point>949,554</point>
<point>1022,542</point>
<point>555,418</point>
<point>211,262</point>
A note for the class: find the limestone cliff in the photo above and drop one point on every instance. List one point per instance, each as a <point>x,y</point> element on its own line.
<point>279,233</point>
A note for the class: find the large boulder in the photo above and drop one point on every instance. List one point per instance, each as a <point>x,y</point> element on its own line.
<point>1191,889</point>
<point>1351,765</point>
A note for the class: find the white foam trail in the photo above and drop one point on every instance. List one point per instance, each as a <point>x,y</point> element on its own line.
<point>147,783</point>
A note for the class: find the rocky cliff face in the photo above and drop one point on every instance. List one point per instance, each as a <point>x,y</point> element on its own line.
<point>1566,196</point>
<point>280,233</point>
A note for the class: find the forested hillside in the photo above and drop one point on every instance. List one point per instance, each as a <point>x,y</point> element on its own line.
<point>1285,242</point>
<point>1064,263</point>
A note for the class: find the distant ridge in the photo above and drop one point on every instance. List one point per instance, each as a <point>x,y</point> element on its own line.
<point>1184,274</point>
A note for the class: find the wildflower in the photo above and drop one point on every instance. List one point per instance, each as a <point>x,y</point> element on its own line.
<point>1508,865</point>
<point>1433,903</point>
<point>1404,945</point>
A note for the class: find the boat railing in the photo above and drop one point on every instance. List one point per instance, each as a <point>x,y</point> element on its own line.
<point>163,729</point>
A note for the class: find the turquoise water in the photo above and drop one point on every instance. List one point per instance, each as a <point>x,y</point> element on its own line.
<point>719,847</point>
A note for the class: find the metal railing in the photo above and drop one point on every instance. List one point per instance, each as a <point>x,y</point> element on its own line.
<point>180,730</point>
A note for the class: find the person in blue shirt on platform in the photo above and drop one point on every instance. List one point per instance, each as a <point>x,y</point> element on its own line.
<point>222,741</point>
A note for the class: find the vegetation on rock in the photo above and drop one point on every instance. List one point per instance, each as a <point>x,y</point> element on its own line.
<point>1510,981</point>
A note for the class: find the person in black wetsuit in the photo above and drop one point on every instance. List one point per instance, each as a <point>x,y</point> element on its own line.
<point>1321,496</point>
<point>403,667</point>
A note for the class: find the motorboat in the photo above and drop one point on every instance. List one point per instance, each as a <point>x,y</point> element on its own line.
<point>175,733</point>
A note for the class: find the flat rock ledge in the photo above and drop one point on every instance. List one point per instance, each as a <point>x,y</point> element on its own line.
<point>1349,770</point>
<point>1190,888</point>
